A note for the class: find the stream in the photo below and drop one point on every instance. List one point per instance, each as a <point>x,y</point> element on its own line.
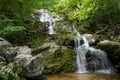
<point>86,76</point>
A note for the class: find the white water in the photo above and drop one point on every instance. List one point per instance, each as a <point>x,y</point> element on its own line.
<point>80,50</point>
<point>44,16</point>
<point>99,61</point>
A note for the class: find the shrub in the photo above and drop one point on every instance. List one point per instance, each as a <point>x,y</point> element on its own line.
<point>14,34</point>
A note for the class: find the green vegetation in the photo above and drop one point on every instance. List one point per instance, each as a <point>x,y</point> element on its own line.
<point>91,16</point>
<point>8,73</point>
<point>93,13</point>
<point>88,14</point>
<point>59,61</point>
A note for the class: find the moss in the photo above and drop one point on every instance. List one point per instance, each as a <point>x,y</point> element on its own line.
<point>36,40</point>
<point>57,62</point>
<point>63,40</point>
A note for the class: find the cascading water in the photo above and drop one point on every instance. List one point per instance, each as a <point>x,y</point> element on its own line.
<point>44,16</point>
<point>80,50</point>
<point>90,59</point>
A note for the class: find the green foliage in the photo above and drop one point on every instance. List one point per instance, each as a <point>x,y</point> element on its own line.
<point>4,21</point>
<point>57,62</point>
<point>14,34</point>
<point>77,9</point>
<point>87,11</point>
<point>10,75</point>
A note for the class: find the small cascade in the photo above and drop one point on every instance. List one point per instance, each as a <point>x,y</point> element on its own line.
<point>44,16</point>
<point>50,27</point>
<point>80,50</point>
<point>90,59</point>
<point>99,61</point>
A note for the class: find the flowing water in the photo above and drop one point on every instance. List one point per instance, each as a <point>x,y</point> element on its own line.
<point>44,16</point>
<point>92,64</point>
<point>90,59</point>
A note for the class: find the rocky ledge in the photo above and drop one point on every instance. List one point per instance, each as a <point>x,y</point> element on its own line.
<point>21,60</point>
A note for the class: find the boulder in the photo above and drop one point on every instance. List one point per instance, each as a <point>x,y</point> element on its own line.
<point>24,50</point>
<point>34,68</point>
<point>48,45</point>
<point>3,46</point>
<point>20,62</point>
<point>27,65</point>
<point>108,44</point>
<point>6,50</point>
<point>113,51</point>
<point>57,59</point>
<point>24,63</point>
<point>10,53</point>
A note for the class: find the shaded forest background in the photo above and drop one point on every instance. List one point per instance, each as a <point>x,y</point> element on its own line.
<point>90,16</point>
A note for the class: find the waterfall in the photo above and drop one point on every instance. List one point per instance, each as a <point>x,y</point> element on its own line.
<point>90,59</point>
<point>80,50</point>
<point>50,27</point>
<point>44,16</point>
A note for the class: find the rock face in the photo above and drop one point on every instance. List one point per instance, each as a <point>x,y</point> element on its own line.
<point>34,68</point>
<point>3,45</point>
<point>23,62</point>
<point>44,47</point>
<point>56,58</point>
<point>113,51</point>
<point>90,38</point>
<point>26,64</point>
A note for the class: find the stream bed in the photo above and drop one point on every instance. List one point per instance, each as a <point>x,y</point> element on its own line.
<point>78,76</point>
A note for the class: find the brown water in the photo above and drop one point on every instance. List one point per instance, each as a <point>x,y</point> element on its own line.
<point>77,76</point>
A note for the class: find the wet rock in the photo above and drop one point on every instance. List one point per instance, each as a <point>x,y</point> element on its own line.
<point>68,42</point>
<point>90,38</point>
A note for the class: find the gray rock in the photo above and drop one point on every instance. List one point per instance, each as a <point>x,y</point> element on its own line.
<point>48,45</point>
<point>20,62</point>
<point>24,50</point>
<point>23,62</point>
<point>10,53</point>
<point>28,66</point>
<point>2,62</point>
<point>107,43</point>
<point>34,68</point>
<point>3,46</point>
<point>6,50</point>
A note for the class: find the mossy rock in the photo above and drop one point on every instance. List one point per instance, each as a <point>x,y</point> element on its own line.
<point>63,40</point>
<point>59,61</point>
